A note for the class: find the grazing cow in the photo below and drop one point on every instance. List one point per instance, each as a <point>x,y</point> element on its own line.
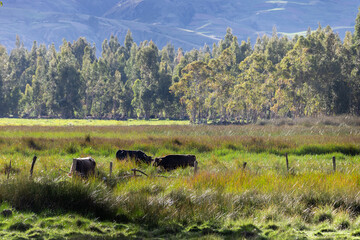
<point>83,166</point>
<point>139,156</point>
<point>171,162</point>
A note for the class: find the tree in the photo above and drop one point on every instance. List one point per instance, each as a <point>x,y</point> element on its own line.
<point>128,42</point>
<point>136,101</point>
<point>88,79</point>
<point>221,83</point>
<point>357,29</point>
<point>252,91</point>
<point>67,83</point>
<point>38,86</point>
<point>4,58</point>
<point>226,42</point>
<point>131,67</point>
<point>193,90</point>
<point>78,50</point>
<point>277,48</point>
<point>15,82</point>
<point>353,56</point>
<point>163,97</point>
<point>147,62</point>
<point>26,102</point>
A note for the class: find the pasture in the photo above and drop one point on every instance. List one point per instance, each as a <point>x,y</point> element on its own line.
<point>221,201</point>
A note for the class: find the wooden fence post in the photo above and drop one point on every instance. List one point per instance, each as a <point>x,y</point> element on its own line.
<point>195,167</point>
<point>287,162</point>
<point>111,166</point>
<point>334,163</point>
<point>32,165</point>
<point>244,165</point>
<point>9,170</point>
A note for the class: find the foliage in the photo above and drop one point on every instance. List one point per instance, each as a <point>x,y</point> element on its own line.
<point>306,76</point>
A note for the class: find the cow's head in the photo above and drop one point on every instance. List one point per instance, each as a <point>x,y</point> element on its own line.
<point>156,162</point>
<point>120,154</point>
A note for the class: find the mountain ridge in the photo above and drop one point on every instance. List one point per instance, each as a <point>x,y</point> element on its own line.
<point>187,24</point>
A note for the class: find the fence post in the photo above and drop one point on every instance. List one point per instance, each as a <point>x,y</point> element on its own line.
<point>111,166</point>
<point>334,163</point>
<point>195,167</point>
<point>244,165</point>
<point>9,170</point>
<point>32,165</point>
<point>287,162</point>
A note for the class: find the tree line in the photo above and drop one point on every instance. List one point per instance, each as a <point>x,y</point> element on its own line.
<point>315,74</point>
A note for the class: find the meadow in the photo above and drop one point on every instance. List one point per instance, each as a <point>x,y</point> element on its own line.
<point>221,201</point>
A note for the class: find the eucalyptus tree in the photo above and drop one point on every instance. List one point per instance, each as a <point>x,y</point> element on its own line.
<point>193,89</point>
<point>221,84</point>
<point>67,83</point>
<point>147,62</point>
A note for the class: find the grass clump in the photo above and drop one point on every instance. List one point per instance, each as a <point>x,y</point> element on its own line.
<point>96,229</point>
<point>32,144</point>
<point>356,233</point>
<point>43,194</point>
<point>323,214</point>
<point>87,138</point>
<point>71,148</point>
<point>20,226</point>
<point>342,221</point>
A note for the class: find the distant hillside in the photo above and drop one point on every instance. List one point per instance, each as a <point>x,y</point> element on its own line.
<point>187,23</point>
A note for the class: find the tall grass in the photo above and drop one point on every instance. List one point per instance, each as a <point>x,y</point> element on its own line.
<point>207,197</point>
<point>90,199</point>
<point>215,200</point>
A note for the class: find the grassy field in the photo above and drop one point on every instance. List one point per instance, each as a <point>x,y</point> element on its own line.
<point>221,201</point>
<point>86,122</point>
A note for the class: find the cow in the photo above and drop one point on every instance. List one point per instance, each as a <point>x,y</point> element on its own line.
<point>83,167</point>
<point>171,162</point>
<point>139,156</point>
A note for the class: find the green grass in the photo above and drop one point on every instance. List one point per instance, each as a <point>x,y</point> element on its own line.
<point>222,201</point>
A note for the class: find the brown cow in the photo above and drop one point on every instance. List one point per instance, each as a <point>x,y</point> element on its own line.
<point>83,166</point>
<point>139,156</point>
<point>171,162</point>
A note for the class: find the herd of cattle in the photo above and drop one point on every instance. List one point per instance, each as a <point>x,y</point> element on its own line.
<point>86,166</point>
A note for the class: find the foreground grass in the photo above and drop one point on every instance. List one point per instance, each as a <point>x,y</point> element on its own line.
<point>73,226</point>
<point>223,205</point>
<point>222,201</point>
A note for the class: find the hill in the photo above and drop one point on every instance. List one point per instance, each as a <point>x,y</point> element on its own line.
<point>187,24</point>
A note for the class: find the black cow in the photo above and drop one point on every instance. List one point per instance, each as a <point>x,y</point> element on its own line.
<point>171,162</point>
<point>139,156</point>
<point>83,166</point>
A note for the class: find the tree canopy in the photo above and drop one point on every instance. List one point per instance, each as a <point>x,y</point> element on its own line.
<point>316,74</point>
